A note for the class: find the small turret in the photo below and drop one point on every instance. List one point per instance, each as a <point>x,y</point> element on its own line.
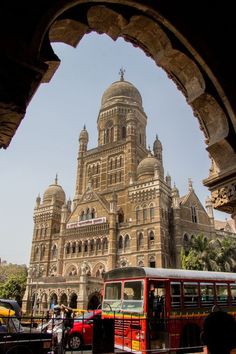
<point>83,140</point>
<point>157,149</point>
<point>38,201</point>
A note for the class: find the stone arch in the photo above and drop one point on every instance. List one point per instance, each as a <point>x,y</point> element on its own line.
<point>94,301</point>
<point>73,300</point>
<point>63,299</point>
<point>71,270</point>
<point>163,37</point>
<point>127,242</point>
<point>53,300</point>
<point>120,242</point>
<point>155,41</point>
<point>99,270</point>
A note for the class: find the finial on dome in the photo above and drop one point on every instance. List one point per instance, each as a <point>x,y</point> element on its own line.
<point>56,179</point>
<point>84,127</point>
<point>122,72</point>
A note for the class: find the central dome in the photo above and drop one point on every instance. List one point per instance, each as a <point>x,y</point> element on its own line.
<point>54,191</point>
<point>121,91</point>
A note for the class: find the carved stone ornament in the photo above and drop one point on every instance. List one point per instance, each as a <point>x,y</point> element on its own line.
<point>224,198</point>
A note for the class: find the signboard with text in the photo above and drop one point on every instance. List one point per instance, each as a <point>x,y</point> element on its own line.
<point>86,222</point>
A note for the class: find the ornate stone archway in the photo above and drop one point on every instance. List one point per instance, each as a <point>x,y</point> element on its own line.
<point>194,57</point>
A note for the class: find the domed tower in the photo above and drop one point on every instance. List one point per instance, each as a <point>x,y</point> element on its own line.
<point>47,222</point>
<point>83,140</point>
<point>118,100</point>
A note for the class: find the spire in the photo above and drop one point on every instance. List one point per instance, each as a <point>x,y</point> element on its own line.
<point>84,127</point>
<point>121,73</point>
<point>190,184</point>
<point>56,179</point>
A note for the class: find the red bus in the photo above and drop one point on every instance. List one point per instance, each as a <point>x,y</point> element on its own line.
<point>162,310</point>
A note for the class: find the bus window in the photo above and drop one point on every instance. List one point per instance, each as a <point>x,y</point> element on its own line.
<point>133,296</point>
<point>207,294</point>
<point>233,293</point>
<point>191,294</point>
<point>222,294</point>
<point>175,294</point>
<point>112,297</point>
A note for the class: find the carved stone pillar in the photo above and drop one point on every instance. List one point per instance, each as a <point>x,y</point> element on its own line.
<point>223,192</point>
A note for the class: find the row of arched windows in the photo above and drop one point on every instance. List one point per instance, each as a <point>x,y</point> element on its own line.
<point>87,247</point>
<point>87,214</point>
<point>124,242</point>
<point>94,169</point>
<point>42,230</point>
<point>146,213</point>
<point>116,162</point>
<point>39,252</point>
<point>108,134</point>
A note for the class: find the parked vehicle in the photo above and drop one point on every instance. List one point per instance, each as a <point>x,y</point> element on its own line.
<point>12,305</point>
<point>81,334</point>
<point>16,339</point>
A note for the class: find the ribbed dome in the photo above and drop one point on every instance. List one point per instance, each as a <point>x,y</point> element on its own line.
<point>121,91</point>
<point>54,191</point>
<point>146,167</point>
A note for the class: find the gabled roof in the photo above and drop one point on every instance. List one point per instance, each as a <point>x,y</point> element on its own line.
<point>191,194</point>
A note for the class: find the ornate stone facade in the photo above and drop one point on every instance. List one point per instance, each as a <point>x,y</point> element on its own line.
<point>125,210</point>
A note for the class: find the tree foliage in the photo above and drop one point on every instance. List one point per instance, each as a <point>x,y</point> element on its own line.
<point>13,281</point>
<point>217,254</point>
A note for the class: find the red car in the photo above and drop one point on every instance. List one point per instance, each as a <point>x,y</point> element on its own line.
<point>81,334</point>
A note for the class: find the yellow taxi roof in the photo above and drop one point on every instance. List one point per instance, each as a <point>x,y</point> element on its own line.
<point>4,312</point>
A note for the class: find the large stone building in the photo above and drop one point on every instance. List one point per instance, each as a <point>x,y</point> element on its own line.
<point>125,210</point>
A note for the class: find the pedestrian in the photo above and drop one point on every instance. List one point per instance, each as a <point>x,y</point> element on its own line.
<point>219,333</point>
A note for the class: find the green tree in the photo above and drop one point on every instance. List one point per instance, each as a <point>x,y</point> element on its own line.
<point>201,254</point>
<point>225,254</point>
<point>212,255</point>
<point>13,282</point>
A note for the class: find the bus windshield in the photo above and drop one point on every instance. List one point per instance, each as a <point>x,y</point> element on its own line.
<point>133,296</point>
<point>112,297</point>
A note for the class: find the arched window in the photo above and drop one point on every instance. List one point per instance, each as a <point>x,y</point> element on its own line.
<point>93,213</point>
<point>99,245</point>
<point>86,246</point>
<point>67,248</point>
<point>127,242</point>
<point>112,134</point>
<point>80,247</point>
<point>121,161</point>
<point>54,251</point>
<point>152,262</point>
<point>87,214</point>
<point>120,243</point>
<point>111,164</point>
<point>120,216</point>
<point>144,214</point>
<point>42,252</point>
<point>140,241</point>
<point>81,215</point>
<point>137,215</point>
<point>151,239</point>
<point>92,245</point>
<point>194,214</point>
<point>151,213</point>
<point>123,132</point>
<point>73,248</point>
<point>105,244</point>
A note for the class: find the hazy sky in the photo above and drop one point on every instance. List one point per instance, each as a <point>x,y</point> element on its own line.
<point>46,142</point>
